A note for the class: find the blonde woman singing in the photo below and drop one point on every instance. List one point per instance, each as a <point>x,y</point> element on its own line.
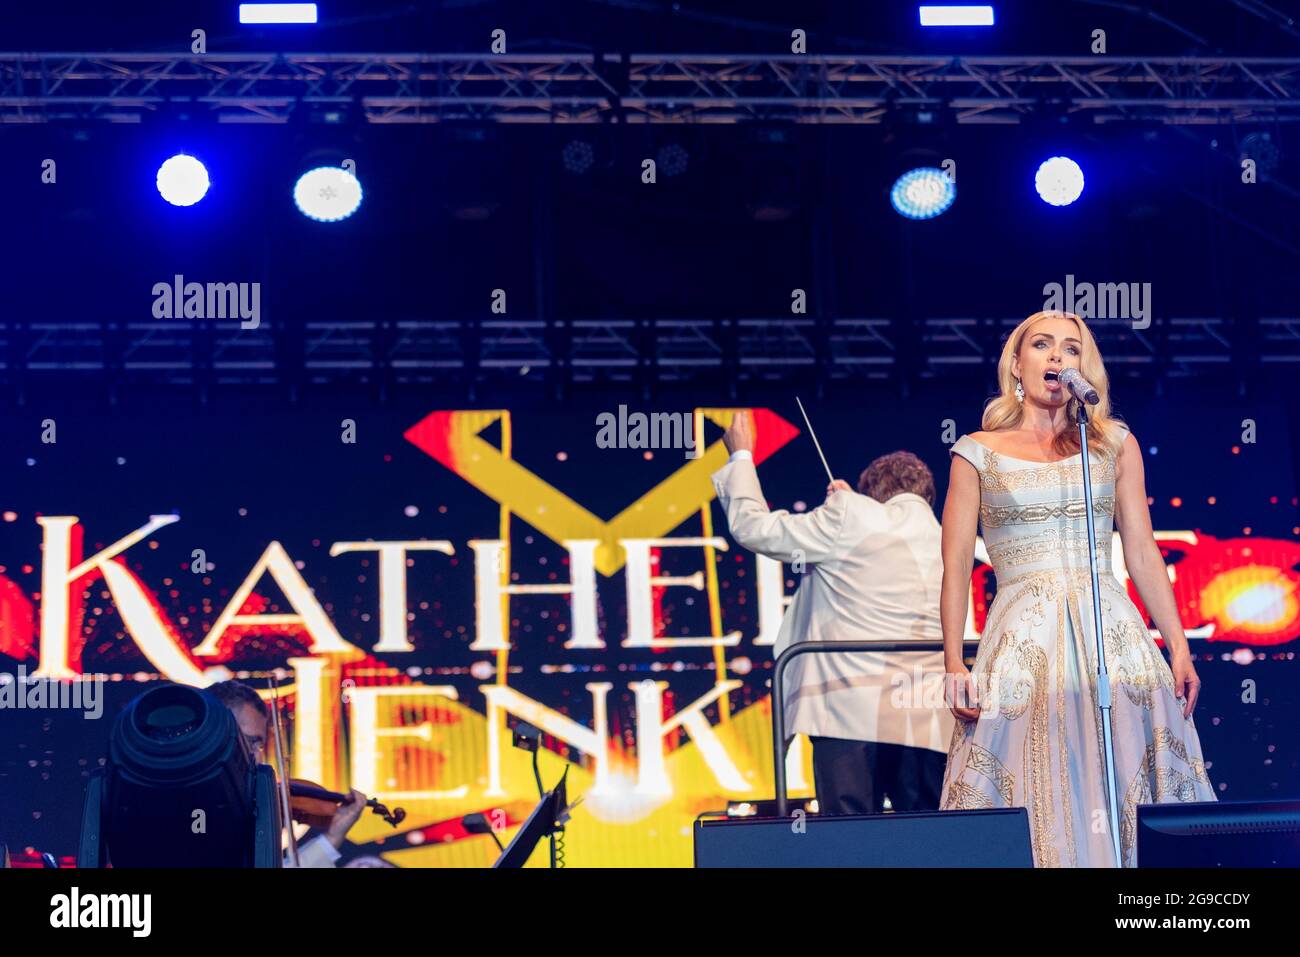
<point>1028,730</point>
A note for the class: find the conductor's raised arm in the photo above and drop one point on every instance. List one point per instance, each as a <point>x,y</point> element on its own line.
<point>811,537</point>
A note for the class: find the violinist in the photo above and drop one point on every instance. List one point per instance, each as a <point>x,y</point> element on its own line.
<point>251,715</point>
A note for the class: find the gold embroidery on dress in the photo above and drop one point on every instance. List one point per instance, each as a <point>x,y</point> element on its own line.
<point>1142,641</point>
<point>1135,672</point>
<point>1050,543</point>
<point>1048,578</point>
<point>1088,665</point>
<point>1037,759</point>
<point>991,626</point>
<point>996,516</point>
<point>1001,607</point>
<point>1046,475</point>
<point>1012,692</point>
<point>961,733</point>
<point>963,797</point>
<point>1139,792</point>
<point>986,763</point>
<point>1166,740</point>
<point>1171,784</point>
<point>1066,813</point>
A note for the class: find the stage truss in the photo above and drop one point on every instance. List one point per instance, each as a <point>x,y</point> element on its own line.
<point>416,88</point>
<point>523,354</point>
<point>392,88</point>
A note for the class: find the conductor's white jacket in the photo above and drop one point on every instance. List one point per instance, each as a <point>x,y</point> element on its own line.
<point>872,571</point>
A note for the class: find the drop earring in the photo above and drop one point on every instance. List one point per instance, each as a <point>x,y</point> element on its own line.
<point>1020,391</point>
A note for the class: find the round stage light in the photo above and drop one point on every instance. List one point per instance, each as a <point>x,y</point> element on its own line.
<point>182,180</point>
<point>922,193</point>
<point>327,194</point>
<point>673,159</point>
<point>1059,181</point>
<point>578,156</point>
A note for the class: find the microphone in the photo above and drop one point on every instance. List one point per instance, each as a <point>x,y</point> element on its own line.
<point>1079,387</point>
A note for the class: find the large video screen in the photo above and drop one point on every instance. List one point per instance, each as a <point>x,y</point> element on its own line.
<point>423,578</point>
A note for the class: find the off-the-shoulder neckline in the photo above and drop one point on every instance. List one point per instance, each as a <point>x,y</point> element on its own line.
<point>1016,458</point>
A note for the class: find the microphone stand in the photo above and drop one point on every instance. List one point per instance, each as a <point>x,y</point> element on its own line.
<point>1103,675</point>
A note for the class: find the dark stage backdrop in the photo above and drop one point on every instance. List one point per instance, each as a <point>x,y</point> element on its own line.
<point>400,686</point>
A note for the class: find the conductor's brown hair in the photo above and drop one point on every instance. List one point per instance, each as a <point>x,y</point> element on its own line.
<point>894,474</point>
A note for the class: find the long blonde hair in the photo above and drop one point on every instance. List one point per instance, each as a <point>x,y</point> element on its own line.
<point>1004,411</point>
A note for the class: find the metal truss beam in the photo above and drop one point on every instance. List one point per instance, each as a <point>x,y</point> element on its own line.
<point>394,88</point>
<point>598,352</point>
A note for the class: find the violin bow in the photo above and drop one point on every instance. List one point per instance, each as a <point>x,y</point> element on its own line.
<point>286,810</point>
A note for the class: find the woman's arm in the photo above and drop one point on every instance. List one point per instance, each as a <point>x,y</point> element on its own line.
<point>960,524</point>
<point>1146,566</point>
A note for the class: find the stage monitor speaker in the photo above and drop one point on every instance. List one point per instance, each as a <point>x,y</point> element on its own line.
<point>1219,834</point>
<point>992,838</point>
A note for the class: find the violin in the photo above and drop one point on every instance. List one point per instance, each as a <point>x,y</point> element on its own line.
<point>314,806</point>
<point>306,802</point>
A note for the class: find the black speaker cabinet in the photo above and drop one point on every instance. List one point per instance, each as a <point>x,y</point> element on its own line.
<point>995,838</point>
<point>1219,834</point>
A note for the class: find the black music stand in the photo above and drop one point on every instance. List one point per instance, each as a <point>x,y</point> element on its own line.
<point>547,819</point>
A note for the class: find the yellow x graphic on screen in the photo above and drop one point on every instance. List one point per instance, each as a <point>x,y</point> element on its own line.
<point>453,438</point>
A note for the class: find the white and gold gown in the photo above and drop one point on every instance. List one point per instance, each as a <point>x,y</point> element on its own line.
<point>1037,743</point>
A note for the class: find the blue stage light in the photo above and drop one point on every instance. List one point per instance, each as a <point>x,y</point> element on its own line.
<point>578,156</point>
<point>182,180</point>
<point>922,193</point>
<point>956,15</point>
<point>1059,181</point>
<point>277,13</point>
<point>327,194</point>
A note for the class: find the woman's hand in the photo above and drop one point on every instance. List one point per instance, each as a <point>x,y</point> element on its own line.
<point>837,485</point>
<point>1187,686</point>
<point>959,693</point>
